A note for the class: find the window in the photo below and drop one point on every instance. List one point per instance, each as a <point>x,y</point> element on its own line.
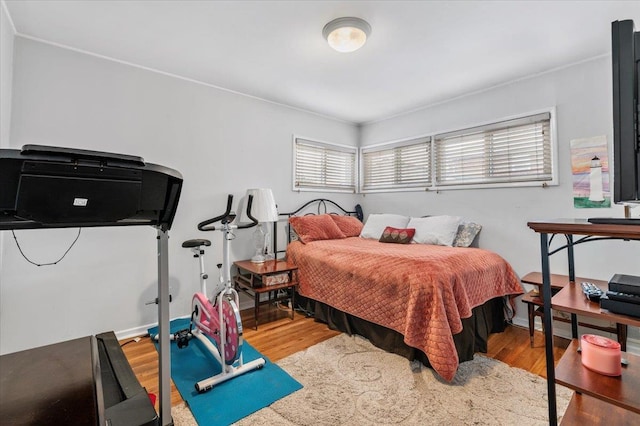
<point>399,165</point>
<point>322,166</point>
<point>513,151</point>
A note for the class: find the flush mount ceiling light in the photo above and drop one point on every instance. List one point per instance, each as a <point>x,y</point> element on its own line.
<point>346,34</point>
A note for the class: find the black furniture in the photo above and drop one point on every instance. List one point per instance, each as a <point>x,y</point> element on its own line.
<point>54,187</point>
<point>596,396</point>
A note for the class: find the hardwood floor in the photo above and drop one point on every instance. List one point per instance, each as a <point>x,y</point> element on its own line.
<point>278,337</point>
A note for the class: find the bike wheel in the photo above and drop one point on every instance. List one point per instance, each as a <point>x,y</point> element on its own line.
<point>233,331</point>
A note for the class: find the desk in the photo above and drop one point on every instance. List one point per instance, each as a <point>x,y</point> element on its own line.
<point>255,279</point>
<point>602,390</point>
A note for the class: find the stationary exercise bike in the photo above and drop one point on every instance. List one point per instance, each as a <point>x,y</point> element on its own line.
<point>218,317</point>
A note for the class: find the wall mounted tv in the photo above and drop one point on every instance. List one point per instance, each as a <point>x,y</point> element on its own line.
<point>625,43</point>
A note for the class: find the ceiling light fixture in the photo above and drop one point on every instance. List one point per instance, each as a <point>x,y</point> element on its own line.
<point>346,34</point>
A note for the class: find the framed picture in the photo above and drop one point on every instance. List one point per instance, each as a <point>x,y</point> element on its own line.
<point>590,169</point>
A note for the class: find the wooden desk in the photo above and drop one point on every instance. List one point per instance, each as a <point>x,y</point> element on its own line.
<point>570,299</point>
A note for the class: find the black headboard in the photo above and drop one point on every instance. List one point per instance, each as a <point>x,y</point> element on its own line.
<point>317,206</point>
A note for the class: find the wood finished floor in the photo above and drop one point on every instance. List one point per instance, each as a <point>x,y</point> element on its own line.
<point>278,337</point>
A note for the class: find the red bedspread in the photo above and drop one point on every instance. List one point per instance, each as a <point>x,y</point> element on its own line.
<point>421,291</point>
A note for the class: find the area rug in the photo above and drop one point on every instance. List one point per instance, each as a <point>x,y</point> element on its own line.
<point>348,381</point>
<point>229,401</point>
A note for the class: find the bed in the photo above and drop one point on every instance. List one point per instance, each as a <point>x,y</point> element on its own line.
<point>430,302</point>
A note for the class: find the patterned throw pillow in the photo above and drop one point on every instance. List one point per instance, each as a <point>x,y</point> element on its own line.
<point>349,225</point>
<point>315,227</point>
<point>467,232</point>
<point>397,235</point>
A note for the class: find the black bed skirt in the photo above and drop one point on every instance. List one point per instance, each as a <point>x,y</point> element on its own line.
<point>485,319</point>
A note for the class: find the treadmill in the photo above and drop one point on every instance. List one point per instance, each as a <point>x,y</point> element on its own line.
<point>86,380</point>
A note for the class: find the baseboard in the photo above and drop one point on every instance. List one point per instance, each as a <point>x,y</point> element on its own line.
<point>564,331</point>
<point>245,303</point>
<point>138,331</point>
<point>561,330</point>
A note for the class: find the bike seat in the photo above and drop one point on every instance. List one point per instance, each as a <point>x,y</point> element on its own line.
<point>196,243</point>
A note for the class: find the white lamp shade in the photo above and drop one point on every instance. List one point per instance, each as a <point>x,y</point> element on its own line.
<point>263,207</point>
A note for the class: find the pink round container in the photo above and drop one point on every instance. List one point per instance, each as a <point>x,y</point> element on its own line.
<point>601,354</point>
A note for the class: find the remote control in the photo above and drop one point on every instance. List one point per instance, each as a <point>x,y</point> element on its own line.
<point>591,291</point>
<point>623,297</point>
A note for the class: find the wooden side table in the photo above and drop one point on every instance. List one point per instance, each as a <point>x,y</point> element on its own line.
<point>255,279</point>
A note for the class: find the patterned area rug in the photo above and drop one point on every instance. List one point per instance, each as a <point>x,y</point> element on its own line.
<point>348,381</point>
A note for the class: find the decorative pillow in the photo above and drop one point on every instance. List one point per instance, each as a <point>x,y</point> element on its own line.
<point>467,232</point>
<point>315,227</point>
<point>349,225</point>
<point>396,235</point>
<point>376,223</point>
<point>436,230</point>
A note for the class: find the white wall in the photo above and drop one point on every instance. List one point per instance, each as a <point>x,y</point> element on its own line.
<point>582,97</point>
<point>221,142</point>
<point>224,143</point>
<point>7,36</point>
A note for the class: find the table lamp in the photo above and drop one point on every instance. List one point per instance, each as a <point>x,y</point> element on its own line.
<point>264,210</point>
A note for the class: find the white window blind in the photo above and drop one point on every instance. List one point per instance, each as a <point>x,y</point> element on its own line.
<point>511,151</point>
<point>322,166</point>
<point>400,165</point>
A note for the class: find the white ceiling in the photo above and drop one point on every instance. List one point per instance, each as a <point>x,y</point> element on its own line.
<point>419,53</point>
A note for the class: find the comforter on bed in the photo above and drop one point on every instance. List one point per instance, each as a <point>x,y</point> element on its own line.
<point>420,291</point>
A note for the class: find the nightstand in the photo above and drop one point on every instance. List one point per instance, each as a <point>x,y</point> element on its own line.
<point>269,277</point>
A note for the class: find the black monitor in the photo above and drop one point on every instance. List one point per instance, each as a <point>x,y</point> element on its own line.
<point>625,43</point>
<point>625,53</point>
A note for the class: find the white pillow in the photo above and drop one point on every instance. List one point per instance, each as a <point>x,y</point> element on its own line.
<point>436,230</point>
<point>376,223</point>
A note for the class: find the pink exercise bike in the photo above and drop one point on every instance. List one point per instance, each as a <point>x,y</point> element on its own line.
<point>218,317</point>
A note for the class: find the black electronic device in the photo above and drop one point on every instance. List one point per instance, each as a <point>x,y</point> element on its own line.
<point>628,284</point>
<point>620,307</point>
<point>625,52</point>
<point>54,187</point>
<point>615,220</point>
<point>623,297</point>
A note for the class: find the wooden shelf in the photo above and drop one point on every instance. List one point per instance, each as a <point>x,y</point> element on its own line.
<point>572,299</point>
<point>585,410</point>
<point>621,391</point>
<point>584,227</point>
<point>558,281</point>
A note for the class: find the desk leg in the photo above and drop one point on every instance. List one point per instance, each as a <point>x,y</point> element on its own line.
<point>622,336</point>
<point>293,301</point>
<point>530,309</point>
<point>256,309</point>
<point>574,326</point>
<point>548,329</point>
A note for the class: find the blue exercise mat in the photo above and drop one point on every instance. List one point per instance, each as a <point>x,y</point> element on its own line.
<point>229,401</point>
